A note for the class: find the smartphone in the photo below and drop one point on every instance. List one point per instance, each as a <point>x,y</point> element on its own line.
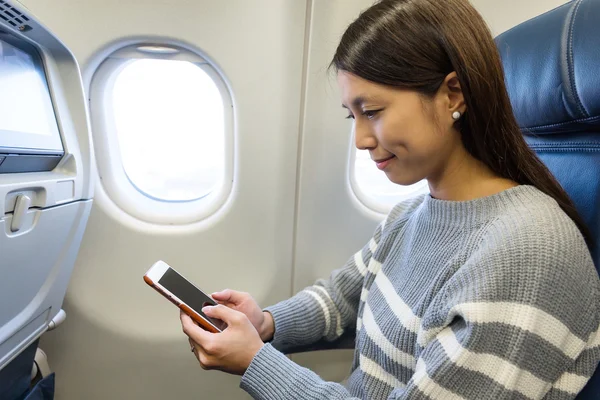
<point>168,282</point>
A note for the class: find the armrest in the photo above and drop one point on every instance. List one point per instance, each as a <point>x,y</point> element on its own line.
<point>346,341</point>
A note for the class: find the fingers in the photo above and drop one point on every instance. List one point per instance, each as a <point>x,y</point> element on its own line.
<point>192,330</point>
<point>224,296</point>
<point>203,359</point>
<point>205,356</point>
<point>229,296</point>
<point>225,314</point>
<point>232,350</point>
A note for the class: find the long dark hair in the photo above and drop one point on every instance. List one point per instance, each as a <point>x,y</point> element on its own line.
<point>415,44</point>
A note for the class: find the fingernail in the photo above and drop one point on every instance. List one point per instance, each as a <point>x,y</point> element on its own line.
<point>205,309</point>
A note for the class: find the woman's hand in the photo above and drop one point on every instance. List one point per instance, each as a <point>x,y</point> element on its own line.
<point>244,303</point>
<point>231,350</point>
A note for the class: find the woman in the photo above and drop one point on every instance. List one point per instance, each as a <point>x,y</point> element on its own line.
<point>483,289</point>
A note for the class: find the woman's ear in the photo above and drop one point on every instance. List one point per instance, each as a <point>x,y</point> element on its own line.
<point>453,95</point>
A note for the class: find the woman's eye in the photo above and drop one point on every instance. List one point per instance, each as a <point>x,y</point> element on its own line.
<point>370,114</point>
<point>350,116</point>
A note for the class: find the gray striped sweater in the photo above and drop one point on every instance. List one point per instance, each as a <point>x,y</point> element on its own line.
<point>494,298</point>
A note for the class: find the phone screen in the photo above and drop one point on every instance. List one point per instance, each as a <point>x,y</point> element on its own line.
<point>189,294</point>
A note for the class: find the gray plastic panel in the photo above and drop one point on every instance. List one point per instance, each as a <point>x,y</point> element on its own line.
<point>13,163</point>
<point>35,265</point>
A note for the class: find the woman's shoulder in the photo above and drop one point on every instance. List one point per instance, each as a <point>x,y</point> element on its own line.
<point>535,220</point>
<point>532,253</point>
<point>536,237</point>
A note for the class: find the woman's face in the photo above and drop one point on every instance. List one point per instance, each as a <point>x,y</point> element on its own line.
<point>409,137</point>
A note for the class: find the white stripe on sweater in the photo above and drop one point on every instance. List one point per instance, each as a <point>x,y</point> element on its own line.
<point>360,265</point>
<point>498,369</point>
<point>372,246</point>
<point>384,223</point>
<point>570,383</point>
<point>363,295</point>
<point>402,311</point>
<point>338,316</point>
<point>374,370</point>
<point>373,331</point>
<point>573,383</point>
<point>522,316</point>
<point>594,339</point>
<point>430,388</point>
<point>374,266</point>
<point>321,302</point>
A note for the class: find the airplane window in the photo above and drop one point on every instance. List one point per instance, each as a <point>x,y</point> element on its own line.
<point>170,125</point>
<point>375,189</point>
<point>163,128</point>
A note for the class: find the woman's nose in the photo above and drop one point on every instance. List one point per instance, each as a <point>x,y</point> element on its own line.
<point>363,137</point>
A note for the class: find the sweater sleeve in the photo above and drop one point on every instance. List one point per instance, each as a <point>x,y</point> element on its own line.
<point>327,308</point>
<point>323,310</point>
<point>273,376</point>
<point>517,321</point>
<point>320,311</point>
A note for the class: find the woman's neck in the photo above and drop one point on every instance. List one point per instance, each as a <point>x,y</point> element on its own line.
<point>466,178</point>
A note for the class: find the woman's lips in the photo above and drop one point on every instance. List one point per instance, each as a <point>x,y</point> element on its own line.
<point>384,163</point>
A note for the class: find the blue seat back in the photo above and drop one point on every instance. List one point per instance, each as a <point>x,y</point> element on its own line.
<point>552,69</point>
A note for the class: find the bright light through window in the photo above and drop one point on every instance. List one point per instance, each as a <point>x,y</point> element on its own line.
<point>169,120</point>
<point>374,184</point>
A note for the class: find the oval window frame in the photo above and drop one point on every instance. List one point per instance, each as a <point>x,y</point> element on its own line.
<point>114,179</point>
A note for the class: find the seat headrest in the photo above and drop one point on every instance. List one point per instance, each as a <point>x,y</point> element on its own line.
<point>552,69</point>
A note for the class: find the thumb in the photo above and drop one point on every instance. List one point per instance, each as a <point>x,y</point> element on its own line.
<point>225,314</point>
<point>228,296</point>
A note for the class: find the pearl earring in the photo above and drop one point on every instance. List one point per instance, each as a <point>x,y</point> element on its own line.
<point>456,115</point>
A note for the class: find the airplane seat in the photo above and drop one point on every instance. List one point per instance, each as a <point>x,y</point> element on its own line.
<point>552,70</point>
<point>46,190</point>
